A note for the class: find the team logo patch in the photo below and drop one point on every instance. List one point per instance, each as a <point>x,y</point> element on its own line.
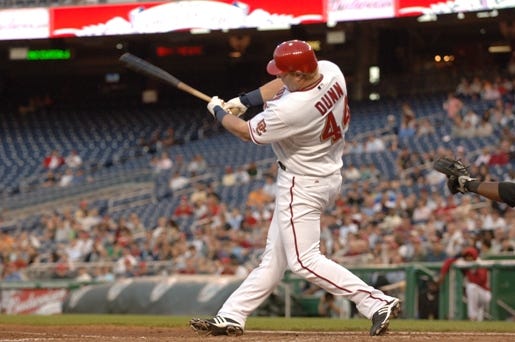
<point>261,127</point>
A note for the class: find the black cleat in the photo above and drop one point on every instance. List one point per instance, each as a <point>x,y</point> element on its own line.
<point>381,318</point>
<point>215,326</point>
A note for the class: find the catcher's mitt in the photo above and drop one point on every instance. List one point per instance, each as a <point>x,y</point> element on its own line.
<point>457,174</point>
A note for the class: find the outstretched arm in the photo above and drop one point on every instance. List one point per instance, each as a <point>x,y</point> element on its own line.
<point>496,191</point>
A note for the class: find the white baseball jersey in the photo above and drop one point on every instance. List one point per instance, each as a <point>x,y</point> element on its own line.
<point>308,140</point>
<point>306,129</point>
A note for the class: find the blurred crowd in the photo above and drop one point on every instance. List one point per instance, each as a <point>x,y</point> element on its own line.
<point>374,221</point>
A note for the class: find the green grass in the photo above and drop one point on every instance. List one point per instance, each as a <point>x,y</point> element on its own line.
<point>262,323</point>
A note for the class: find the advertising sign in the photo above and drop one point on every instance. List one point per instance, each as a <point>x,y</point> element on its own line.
<point>24,23</point>
<point>33,301</point>
<point>203,15</point>
<point>159,17</point>
<point>419,7</point>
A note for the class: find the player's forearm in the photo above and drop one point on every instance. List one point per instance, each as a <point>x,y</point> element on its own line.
<point>488,189</point>
<point>236,126</point>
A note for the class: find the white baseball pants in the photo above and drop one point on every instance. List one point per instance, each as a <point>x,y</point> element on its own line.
<point>293,241</point>
<point>478,301</point>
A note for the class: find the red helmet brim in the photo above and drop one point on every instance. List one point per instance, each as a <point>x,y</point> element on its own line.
<point>272,68</point>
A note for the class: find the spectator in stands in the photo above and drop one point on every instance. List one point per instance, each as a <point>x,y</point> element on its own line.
<point>490,91</point>
<point>80,177</point>
<point>436,251</point>
<point>91,219</point>
<point>179,163</point>
<point>253,170</point>
<point>483,157</point>
<point>462,129</point>
<point>425,127</point>
<point>501,156</point>
<point>62,271</point>
<point>453,236</point>
<point>153,144</point>
<point>351,173</point>
<point>53,161</point>
<point>242,176</point>
<point>422,212</point>
<point>231,266</point>
<point>178,182</point>
<point>197,165</point>
<point>484,128</point>
<point>507,246</point>
<point>103,274</point>
<point>476,87</point>
<point>199,194</point>
<point>164,162</point>
<point>167,139</point>
<point>365,172</point>
<point>453,106</point>
<point>82,211</point>
<point>407,128</point>
<point>354,146</point>
<point>463,89</point>
<point>270,187</point>
<point>136,226</point>
<point>391,127</point>
<point>11,273</point>
<point>126,264</point>
<point>63,231</point>
<point>184,208</point>
<point>50,179</point>
<point>73,160</point>
<point>66,178</point>
<point>161,228</point>
<point>405,159</point>
<point>471,118</point>
<point>234,218</point>
<point>83,275</point>
<point>258,198</point>
<point>374,144</point>
<point>461,154</point>
<point>229,177</point>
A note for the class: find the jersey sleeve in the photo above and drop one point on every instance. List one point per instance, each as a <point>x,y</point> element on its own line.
<point>267,127</point>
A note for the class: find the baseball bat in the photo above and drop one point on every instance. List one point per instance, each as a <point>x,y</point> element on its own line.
<point>146,68</point>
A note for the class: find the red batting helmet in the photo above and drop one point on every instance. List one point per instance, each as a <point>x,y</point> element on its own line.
<point>291,56</point>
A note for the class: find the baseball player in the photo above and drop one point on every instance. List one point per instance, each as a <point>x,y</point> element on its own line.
<point>476,288</point>
<point>305,117</point>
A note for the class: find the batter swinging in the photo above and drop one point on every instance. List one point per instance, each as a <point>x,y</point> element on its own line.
<point>305,119</point>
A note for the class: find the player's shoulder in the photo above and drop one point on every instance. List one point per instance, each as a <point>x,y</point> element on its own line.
<point>328,65</point>
<point>330,71</point>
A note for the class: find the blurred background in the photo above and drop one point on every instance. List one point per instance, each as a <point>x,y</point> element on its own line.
<point>106,175</point>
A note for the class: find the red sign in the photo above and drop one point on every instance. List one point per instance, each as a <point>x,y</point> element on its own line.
<point>169,16</point>
<point>158,17</point>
